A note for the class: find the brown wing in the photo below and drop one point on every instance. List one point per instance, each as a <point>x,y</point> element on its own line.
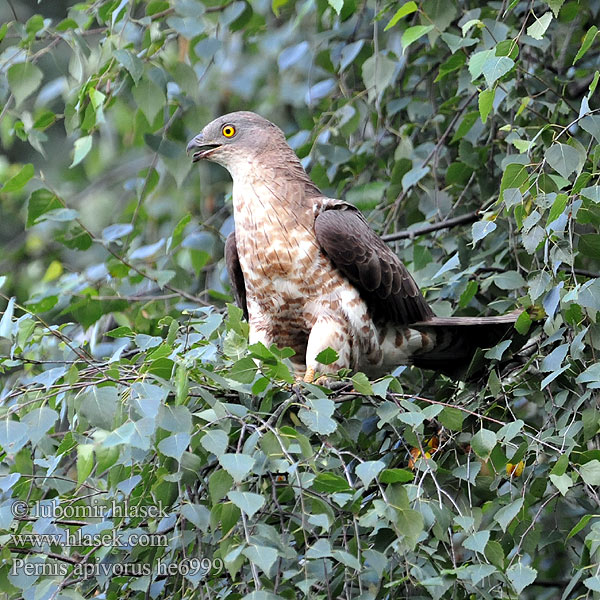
<point>234,269</point>
<point>359,253</point>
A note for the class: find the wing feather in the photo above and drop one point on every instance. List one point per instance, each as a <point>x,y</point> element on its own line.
<point>236,276</point>
<point>361,255</point>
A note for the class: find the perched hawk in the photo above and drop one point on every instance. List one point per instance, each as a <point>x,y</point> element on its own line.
<point>310,273</point>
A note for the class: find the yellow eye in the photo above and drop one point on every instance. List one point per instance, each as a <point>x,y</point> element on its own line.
<point>228,131</point>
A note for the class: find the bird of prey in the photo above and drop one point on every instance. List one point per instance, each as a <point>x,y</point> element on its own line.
<point>310,273</point>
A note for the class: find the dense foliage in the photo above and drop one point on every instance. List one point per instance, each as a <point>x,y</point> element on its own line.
<point>467,134</point>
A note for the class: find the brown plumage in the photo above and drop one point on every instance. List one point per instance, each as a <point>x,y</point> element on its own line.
<point>310,273</point>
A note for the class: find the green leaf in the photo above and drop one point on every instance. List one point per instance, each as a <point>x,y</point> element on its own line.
<point>176,419</point>
<point>177,234</point>
<point>403,11</point>
<point>412,177</point>
<point>482,228</point>
<point>23,79</point>
<point>440,13</point>
<point>262,556</point>
<point>479,572</point>
<point>468,294</point>
<point>561,465</point>
<point>558,207</point>
<point>507,513</point>
<point>452,418</point>
<point>476,62</point>
<point>563,159</point>
<point>13,435</point>
<point>495,67</point>
<point>591,193</point>
<point>497,351</point>
<point>590,375</point>
<point>377,73</point>
<point>362,384</point>
<point>215,441</point>
<point>40,420</point>
<point>85,461</point>
<point>486,103</point>
<point>327,356</point>
<point>592,583</point>
<point>537,29</point>
<point>82,147</point>
<point>483,443</point>
<point>410,523</point>
<point>244,370</point>
<point>276,5</point>
<point>237,465</point>
<point>554,360</point>
<point>262,594</point>
<point>219,483</point>
<point>368,470</point>
<point>591,124</point>
<point>589,245</point>
<point>396,476</point>
<point>594,83</point>
<point>131,62</point>
<point>116,231</point>
<point>197,514</point>
<point>320,549</point>
<point>317,415</point>
<point>590,472</point>
<point>514,176</point>
<point>18,181</point>
<point>99,405</point>
<point>149,97</point>
<point>248,502</point>
<point>330,483</point>
<point>520,576</point>
<point>465,126</point>
<point>412,34</point>
<point>509,280</point>
<point>175,445</point>
<point>562,482</point>
<point>337,5</point>
<point>477,541</point>
<point>456,42</point>
<point>555,5</point>
<point>455,62</point>
<point>581,524</point>
<point>587,42</point>
<point>523,323</point>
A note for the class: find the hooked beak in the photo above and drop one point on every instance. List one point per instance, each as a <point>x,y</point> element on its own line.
<point>200,148</point>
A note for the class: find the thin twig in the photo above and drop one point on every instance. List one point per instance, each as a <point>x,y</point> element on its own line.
<point>435,149</point>
<point>447,224</point>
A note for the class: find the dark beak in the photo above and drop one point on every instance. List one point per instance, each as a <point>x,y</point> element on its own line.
<point>200,148</point>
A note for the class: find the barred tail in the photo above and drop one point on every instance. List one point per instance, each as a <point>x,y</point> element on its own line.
<point>458,338</point>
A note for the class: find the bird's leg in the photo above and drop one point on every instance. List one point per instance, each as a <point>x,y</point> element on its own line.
<point>309,375</point>
<point>326,333</point>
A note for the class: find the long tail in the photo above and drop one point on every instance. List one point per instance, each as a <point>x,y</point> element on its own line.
<point>458,338</point>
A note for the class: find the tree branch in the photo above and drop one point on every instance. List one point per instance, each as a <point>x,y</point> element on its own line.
<point>447,224</point>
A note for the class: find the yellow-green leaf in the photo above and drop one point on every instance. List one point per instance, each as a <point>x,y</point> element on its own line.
<point>403,11</point>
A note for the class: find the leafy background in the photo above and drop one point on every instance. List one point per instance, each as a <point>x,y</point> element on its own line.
<point>467,132</point>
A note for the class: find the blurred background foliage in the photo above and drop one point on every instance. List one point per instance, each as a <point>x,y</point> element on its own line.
<point>468,133</point>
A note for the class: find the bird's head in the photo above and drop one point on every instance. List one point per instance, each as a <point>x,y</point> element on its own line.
<point>237,136</point>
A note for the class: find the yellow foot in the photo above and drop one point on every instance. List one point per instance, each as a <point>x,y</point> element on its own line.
<point>309,376</point>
